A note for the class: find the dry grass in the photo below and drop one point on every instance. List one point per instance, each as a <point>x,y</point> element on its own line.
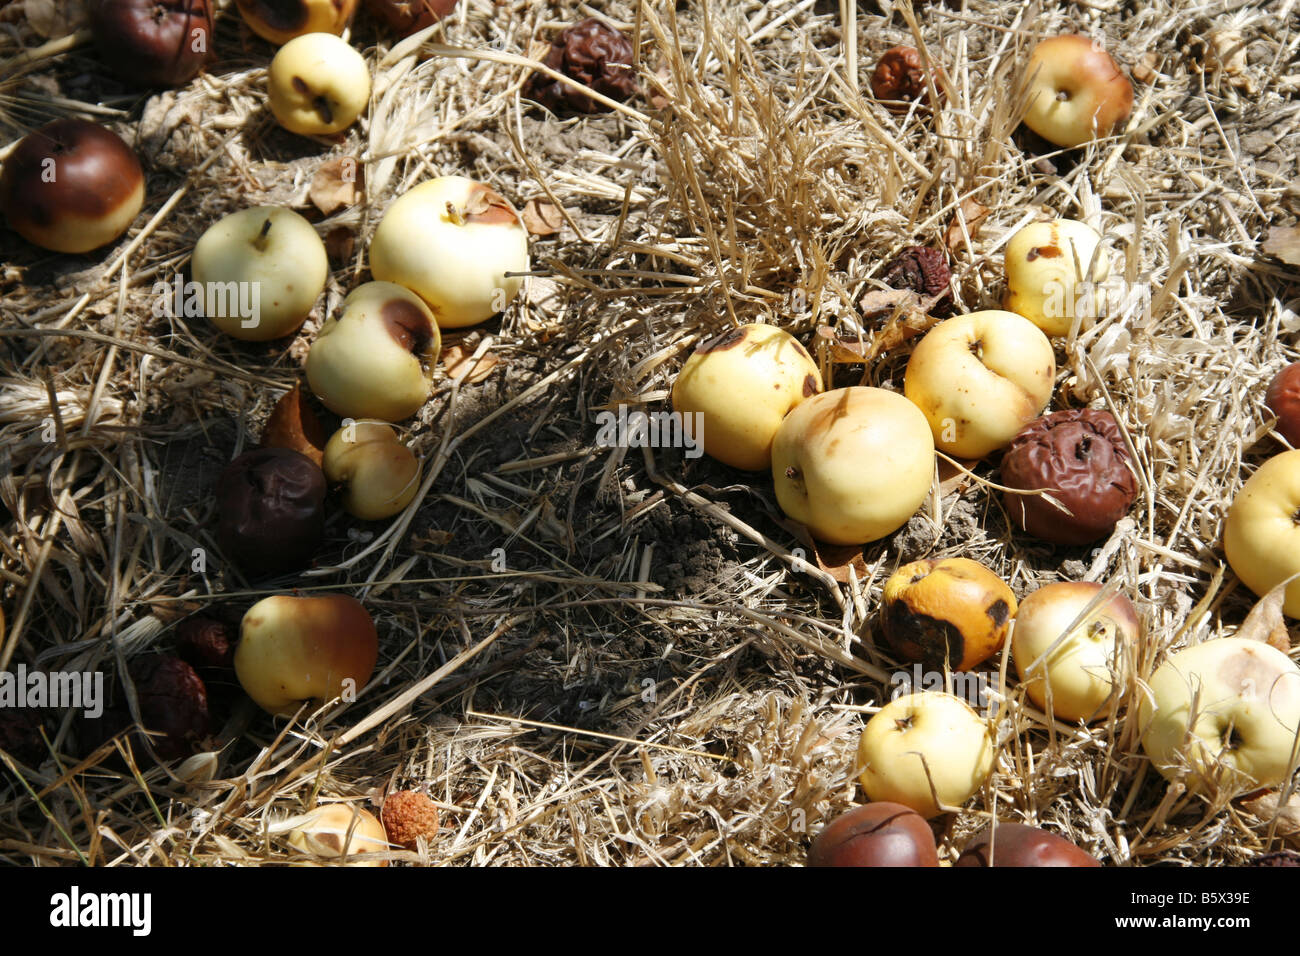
<point>649,682</point>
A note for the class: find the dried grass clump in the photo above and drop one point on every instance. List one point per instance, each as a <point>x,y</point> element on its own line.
<point>608,656</point>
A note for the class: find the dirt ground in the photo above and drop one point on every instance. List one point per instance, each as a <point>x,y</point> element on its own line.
<point>662,683</point>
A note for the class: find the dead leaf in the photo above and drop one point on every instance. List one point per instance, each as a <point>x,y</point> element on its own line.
<point>973,212</point>
<point>883,300</point>
<point>1225,55</point>
<point>340,244</point>
<point>843,350</point>
<point>1269,805</point>
<point>952,478</point>
<point>457,360</point>
<point>1265,622</point>
<point>835,560</point>
<point>337,183</point>
<point>542,218</point>
<point>661,94</point>
<point>1284,242</point>
<point>295,426</point>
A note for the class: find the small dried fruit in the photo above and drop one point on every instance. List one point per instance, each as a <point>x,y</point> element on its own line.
<point>1079,458</point>
<point>173,700</point>
<point>409,815</point>
<point>925,271</point>
<point>899,79</point>
<point>203,642</point>
<point>593,54</point>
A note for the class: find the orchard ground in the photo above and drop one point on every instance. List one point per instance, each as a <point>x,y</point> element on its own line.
<point>664,671</point>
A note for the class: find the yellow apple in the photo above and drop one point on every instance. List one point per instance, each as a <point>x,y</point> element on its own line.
<point>1261,535</point>
<point>281,20</point>
<point>742,383</point>
<point>293,649</point>
<point>852,464</point>
<point>376,359</point>
<point>1243,729</point>
<point>1077,92</point>
<point>381,474</point>
<point>318,84</point>
<point>1078,677</point>
<point>335,830</point>
<point>979,379</point>
<point>931,731</point>
<point>453,241</point>
<point>1055,270</point>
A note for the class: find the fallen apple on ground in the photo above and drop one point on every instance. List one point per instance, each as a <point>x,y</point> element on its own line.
<point>852,464</point>
<point>1054,271</point>
<point>923,739</point>
<point>1077,92</point>
<point>743,382</point>
<point>1261,535</point>
<point>318,85</point>
<point>380,475</point>
<point>950,612</point>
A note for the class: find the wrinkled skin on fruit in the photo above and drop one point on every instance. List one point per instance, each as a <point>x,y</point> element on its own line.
<point>405,17</point>
<point>595,55</point>
<point>1079,457</point>
<point>271,503</point>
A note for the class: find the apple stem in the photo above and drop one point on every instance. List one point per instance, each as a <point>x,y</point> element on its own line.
<point>455,215</point>
<point>260,241</point>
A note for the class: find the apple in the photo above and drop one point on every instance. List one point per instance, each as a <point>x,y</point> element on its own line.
<point>1283,400</point>
<point>952,612</point>
<point>335,830</point>
<point>1015,844</point>
<point>1261,535</point>
<point>261,271</point>
<point>877,834</point>
<point>376,359</point>
<point>1077,677</point>
<point>71,186</point>
<point>979,379</point>
<point>1242,733</point>
<point>153,42</point>
<point>1077,92</point>
<point>1055,269</point>
<point>318,85</point>
<point>919,739</point>
<point>453,241</point>
<point>280,21</point>
<point>381,474</point>
<point>852,464</point>
<point>294,649</point>
<point>741,383</point>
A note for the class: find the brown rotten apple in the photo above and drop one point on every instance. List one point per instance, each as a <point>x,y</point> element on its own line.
<point>71,186</point>
<point>153,42</point>
<point>376,359</point>
<point>1077,92</point>
<point>271,503</point>
<point>1283,400</point>
<point>741,384</point>
<point>281,20</point>
<point>952,613</point>
<point>852,464</point>
<point>295,649</point>
<point>405,17</point>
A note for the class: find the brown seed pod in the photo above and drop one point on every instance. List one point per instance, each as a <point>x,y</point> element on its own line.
<point>952,612</point>
<point>272,507</point>
<point>876,834</point>
<point>899,79</point>
<point>153,42</point>
<point>1283,400</point>
<point>1078,457</point>
<point>593,54</point>
<point>1019,845</point>
<point>405,17</point>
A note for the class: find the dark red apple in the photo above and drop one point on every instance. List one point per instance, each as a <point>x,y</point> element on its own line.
<point>153,42</point>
